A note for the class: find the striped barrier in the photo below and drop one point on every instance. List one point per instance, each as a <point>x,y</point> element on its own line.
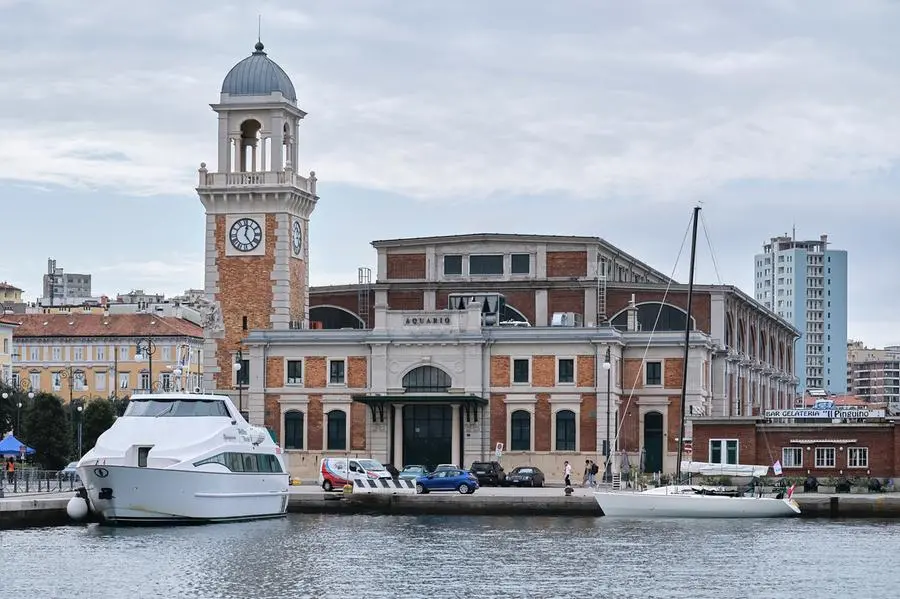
<point>384,486</point>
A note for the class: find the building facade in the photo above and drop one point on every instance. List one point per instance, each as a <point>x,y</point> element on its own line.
<point>6,349</point>
<point>80,356</point>
<point>9,294</point>
<point>546,348</point>
<point>842,436</point>
<point>874,374</point>
<point>806,283</point>
<point>65,288</point>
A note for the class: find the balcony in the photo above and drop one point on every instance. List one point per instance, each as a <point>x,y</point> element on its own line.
<point>258,179</point>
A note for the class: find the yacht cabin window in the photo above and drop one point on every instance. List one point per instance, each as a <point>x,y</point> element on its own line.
<point>158,408</point>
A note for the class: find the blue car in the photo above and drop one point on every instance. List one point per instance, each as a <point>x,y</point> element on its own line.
<point>447,480</point>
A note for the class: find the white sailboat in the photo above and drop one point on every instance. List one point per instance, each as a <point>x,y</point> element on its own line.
<point>698,501</point>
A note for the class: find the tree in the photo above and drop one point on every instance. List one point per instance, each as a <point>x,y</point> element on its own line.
<point>98,415</point>
<point>46,428</point>
<point>7,409</point>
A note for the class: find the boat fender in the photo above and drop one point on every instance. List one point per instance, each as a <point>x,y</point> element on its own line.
<point>77,508</point>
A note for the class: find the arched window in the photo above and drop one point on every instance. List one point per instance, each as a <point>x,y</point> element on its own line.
<point>293,429</point>
<point>565,430</point>
<point>669,318</point>
<point>337,430</point>
<point>520,431</point>
<point>426,379</point>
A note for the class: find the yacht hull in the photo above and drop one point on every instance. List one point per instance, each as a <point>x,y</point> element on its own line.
<point>132,495</point>
<point>690,505</point>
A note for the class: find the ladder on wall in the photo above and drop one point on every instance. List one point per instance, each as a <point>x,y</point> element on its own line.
<point>363,294</point>
<point>601,297</point>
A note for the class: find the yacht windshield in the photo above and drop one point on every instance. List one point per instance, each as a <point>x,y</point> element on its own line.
<point>176,408</point>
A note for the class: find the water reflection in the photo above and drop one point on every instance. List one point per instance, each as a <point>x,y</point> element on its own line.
<point>372,556</point>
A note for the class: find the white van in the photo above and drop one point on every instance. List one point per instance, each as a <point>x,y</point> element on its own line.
<point>333,471</point>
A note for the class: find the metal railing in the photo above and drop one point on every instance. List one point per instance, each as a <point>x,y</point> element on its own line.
<point>30,480</point>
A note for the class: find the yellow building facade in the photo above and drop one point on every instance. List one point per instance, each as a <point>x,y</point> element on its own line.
<point>9,294</point>
<point>84,356</point>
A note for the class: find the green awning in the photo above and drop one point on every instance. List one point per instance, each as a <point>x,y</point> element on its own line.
<point>377,403</point>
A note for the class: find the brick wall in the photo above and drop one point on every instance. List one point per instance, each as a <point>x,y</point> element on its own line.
<point>585,371</point>
<point>298,288</point>
<point>543,371</point>
<point>275,372</point>
<point>406,266</point>
<point>406,300</point>
<point>523,301</point>
<point>566,300</point>
<point>588,422</point>
<point>500,367</point>
<point>498,419</point>
<point>357,372</point>
<point>632,373</point>
<point>314,422</point>
<point>629,433</point>
<point>348,300</point>
<point>272,414</point>
<point>673,420</point>
<point>245,289</point>
<point>358,413</point>
<point>542,440</point>
<point>316,373</point>
<point>673,371</point>
<point>566,264</point>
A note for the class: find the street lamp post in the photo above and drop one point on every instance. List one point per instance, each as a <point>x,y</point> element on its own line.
<point>79,409</point>
<point>607,366</point>
<point>238,364</point>
<point>146,347</point>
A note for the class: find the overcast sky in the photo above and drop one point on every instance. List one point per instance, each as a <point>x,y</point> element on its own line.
<point>571,117</point>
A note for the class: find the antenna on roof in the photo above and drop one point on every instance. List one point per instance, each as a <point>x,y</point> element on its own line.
<point>259,28</point>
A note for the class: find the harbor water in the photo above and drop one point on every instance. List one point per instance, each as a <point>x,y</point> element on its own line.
<point>431,556</point>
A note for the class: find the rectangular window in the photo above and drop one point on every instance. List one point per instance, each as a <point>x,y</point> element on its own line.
<point>143,454</point>
<point>824,457</point>
<point>165,380</point>
<point>723,451</point>
<point>520,370</point>
<point>166,354</point>
<point>565,370</point>
<point>857,457</point>
<point>100,353</point>
<point>57,354</point>
<point>520,264</point>
<point>336,372</point>
<point>123,353</point>
<point>294,372</point>
<point>124,380</point>
<point>79,381</point>
<point>56,381</point>
<point>77,354</point>
<point>242,377</point>
<point>452,265</point>
<point>145,380</point>
<point>99,381</point>
<point>792,457</point>
<point>654,373</point>
<point>35,379</point>
<point>35,354</point>
<point>520,431</point>
<point>337,429</point>
<point>486,265</point>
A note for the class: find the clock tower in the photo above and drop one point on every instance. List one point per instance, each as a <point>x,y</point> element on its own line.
<point>257,221</point>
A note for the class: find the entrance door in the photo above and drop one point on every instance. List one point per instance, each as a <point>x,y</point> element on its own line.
<point>653,442</point>
<point>427,435</point>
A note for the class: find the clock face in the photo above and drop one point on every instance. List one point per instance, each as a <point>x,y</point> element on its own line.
<point>245,234</point>
<point>297,237</point>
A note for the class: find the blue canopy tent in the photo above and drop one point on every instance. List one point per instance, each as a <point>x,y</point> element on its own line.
<point>12,446</point>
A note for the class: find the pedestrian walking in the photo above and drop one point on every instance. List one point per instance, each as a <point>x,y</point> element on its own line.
<point>568,471</point>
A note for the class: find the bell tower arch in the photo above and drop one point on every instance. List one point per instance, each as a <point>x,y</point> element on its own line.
<point>257,220</point>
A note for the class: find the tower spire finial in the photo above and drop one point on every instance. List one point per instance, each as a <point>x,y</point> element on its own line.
<point>259,47</point>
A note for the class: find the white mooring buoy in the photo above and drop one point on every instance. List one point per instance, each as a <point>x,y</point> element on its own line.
<point>77,508</point>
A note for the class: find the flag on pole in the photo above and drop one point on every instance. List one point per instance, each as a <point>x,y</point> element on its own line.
<point>777,467</point>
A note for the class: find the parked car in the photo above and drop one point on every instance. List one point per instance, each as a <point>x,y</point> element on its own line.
<point>488,473</point>
<point>525,476</point>
<point>69,472</point>
<point>333,471</point>
<point>447,480</point>
<point>412,472</point>
<point>440,467</point>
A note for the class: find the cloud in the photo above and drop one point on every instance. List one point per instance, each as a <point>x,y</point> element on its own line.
<point>438,105</point>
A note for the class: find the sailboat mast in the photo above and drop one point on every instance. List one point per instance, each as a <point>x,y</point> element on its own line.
<point>687,347</point>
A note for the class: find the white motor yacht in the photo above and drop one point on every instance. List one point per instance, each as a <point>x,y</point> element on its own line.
<point>182,457</point>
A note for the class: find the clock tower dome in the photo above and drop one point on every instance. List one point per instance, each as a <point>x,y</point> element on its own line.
<point>257,221</point>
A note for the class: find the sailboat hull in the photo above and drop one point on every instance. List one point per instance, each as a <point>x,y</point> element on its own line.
<point>691,505</point>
